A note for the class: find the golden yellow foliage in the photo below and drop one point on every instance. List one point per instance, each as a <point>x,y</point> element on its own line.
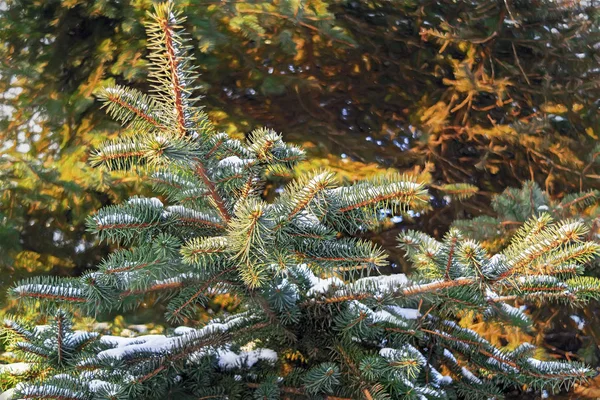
<point>552,108</point>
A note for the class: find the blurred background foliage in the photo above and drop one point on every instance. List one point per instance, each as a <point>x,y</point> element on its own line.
<point>480,96</point>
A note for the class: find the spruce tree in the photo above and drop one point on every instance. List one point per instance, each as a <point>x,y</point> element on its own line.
<point>361,70</point>
<point>316,320</point>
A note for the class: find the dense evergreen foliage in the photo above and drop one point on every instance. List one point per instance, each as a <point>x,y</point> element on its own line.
<point>316,320</point>
<point>515,206</point>
<point>490,92</point>
<point>574,332</point>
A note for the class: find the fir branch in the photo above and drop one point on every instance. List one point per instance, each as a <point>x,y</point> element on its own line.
<point>435,286</point>
<point>51,289</point>
<point>122,153</point>
<point>582,199</point>
<point>127,105</point>
<point>212,190</point>
<point>165,41</point>
<point>380,191</point>
<point>204,250</point>
<point>174,315</point>
<point>300,194</point>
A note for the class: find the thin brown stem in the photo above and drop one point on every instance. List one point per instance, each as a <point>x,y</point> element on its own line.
<point>173,64</point>
<point>136,111</point>
<point>212,190</point>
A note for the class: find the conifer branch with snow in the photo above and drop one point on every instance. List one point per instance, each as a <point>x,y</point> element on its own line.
<point>308,286</point>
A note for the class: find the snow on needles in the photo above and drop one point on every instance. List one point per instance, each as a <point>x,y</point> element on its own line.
<point>379,284</point>
<point>318,285</point>
<point>229,360</point>
<point>160,343</point>
<point>152,201</point>
<point>233,161</point>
